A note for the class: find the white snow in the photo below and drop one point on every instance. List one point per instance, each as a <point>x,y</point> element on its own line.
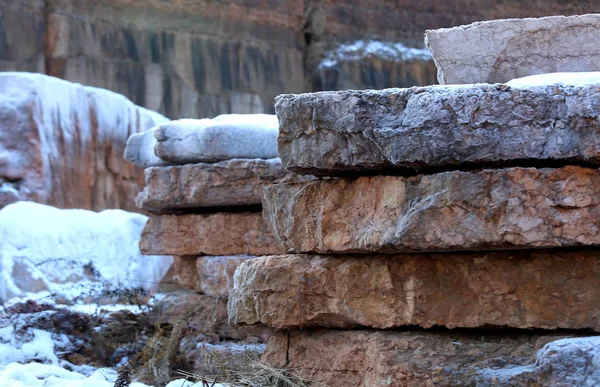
<point>361,49</point>
<point>566,79</point>
<point>140,150</point>
<point>68,252</point>
<point>225,137</point>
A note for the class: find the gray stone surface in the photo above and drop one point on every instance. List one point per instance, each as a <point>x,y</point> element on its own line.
<point>517,289</point>
<point>438,127</point>
<point>513,208</point>
<point>501,50</point>
<point>225,137</point>
<point>237,182</point>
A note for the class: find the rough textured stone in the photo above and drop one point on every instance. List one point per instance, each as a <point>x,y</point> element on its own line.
<point>491,209</point>
<point>62,143</point>
<point>545,290</point>
<point>203,315</point>
<point>225,137</point>
<point>384,358</point>
<point>236,182</point>
<point>438,127</point>
<point>501,50</point>
<point>225,359</point>
<point>185,271</point>
<point>209,234</point>
<point>215,274</point>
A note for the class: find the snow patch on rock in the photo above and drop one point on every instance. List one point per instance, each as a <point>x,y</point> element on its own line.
<point>566,79</point>
<point>225,137</point>
<point>43,248</point>
<point>360,49</point>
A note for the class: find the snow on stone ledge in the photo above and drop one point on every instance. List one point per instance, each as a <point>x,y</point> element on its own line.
<point>225,137</point>
<point>43,248</point>
<point>361,49</point>
<point>567,79</point>
<point>190,141</point>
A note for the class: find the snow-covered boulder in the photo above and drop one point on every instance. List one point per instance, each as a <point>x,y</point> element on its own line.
<point>139,150</point>
<point>225,137</point>
<point>62,143</point>
<point>70,252</point>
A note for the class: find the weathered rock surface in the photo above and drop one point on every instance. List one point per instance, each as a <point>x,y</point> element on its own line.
<point>438,127</point>
<point>62,143</point>
<point>225,137</point>
<point>185,271</point>
<point>215,274</point>
<point>209,234</point>
<point>384,358</point>
<point>544,290</point>
<point>500,50</point>
<point>204,315</point>
<point>225,358</point>
<point>210,275</point>
<point>237,182</point>
<point>139,150</point>
<point>74,254</point>
<point>487,210</point>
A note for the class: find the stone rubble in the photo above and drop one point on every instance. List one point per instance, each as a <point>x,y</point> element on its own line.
<point>492,189</point>
<point>204,188</point>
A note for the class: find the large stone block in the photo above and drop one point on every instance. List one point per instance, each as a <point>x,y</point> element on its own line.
<point>62,143</point>
<point>237,182</point>
<point>209,234</point>
<point>501,50</point>
<point>333,133</point>
<point>487,210</point>
<point>545,290</point>
<point>414,359</point>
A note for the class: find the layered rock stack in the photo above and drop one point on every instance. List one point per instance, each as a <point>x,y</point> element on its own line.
<point>474,207</point>
<point>204,186</point>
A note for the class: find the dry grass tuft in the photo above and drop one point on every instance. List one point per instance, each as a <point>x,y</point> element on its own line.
<point>257,374</point>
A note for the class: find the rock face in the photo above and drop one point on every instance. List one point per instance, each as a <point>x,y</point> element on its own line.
<point>492,209</point>
<point>209,234</point>
<point>237,182</point>
<point>228,136</point>
<point>383,358</point>
<point>185,271</point>
<point>62,144</point>
<point>466,290</point>
<point>215,274</point>
<point>204,315</point>
<point>501,50</point>
<point>73,253</point>
<point>437,127</point>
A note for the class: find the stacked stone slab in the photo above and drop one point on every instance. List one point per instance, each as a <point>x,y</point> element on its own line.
<point>204,187</point>
<point>474,207</point>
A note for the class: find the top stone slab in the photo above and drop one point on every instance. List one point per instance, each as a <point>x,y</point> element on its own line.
<point>500,50</point>
<point>225,137</point>
<point>539,118</point>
